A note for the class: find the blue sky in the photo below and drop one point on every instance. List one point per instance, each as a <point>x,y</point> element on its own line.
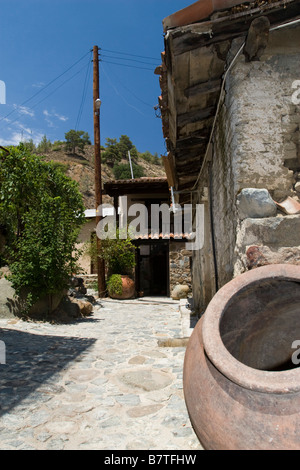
<point>45,63</point>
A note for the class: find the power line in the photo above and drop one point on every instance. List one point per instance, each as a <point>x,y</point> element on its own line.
<point>126,53</point>
<point>59,86</point>
<point>53,91</point>
<point>124,58</point>
<point>84,93</point>
<point>46,86</point>
<point>130,91</point>
<point>126,65</point>
<point>121,96</point>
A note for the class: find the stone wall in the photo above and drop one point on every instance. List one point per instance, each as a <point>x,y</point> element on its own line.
<point>204,277</point>
<point>255,145</point>
<point>180,265</point>
<point>270,240</point>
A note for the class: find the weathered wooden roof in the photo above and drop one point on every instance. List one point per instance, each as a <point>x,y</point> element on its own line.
<point>198,11</point>
<point>193,65</point>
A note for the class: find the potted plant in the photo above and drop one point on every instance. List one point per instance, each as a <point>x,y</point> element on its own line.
<point>119,256</point>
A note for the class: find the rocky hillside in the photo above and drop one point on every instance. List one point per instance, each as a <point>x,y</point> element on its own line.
<point>81,169</point>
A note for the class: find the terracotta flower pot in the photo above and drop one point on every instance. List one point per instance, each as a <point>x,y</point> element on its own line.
<point>241,374</point>
<point>128,289</point>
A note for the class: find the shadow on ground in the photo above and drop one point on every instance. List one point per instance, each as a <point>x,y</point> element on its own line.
<point>33,363</point>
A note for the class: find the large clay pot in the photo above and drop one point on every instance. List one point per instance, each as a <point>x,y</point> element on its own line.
<point>128,289</point>
<point>241,381</point>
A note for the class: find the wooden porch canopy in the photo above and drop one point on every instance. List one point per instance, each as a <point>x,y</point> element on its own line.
<point>136,186</point>
<point>197,42</point>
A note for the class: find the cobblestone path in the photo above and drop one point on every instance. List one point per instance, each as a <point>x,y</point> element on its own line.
<point>98,383</point>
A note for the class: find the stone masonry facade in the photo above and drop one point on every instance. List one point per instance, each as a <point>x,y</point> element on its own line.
<point>180,265</point>
<point>256,144</point>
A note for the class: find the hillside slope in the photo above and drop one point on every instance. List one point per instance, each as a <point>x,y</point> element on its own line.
<point>81,169</point>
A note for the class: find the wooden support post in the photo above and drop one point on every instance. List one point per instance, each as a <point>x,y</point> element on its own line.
<point>98,181</point>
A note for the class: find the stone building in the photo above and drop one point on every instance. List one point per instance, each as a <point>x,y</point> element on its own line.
<point>230,108</point>
<point>162,260</point>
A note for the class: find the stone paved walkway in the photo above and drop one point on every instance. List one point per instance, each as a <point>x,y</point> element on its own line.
<point>98,383</point>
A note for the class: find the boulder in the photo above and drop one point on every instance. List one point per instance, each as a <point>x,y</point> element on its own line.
<point>46,305</point>
<point>77,286</point>
<point>273,231</point>
<point>263,255</point>
<point>85,307</point>
<point>8,302</point>
<point>180,292</point>
<point>67,309</point>
<point>4,271</point>
<point>255,203</point>
<point>12,306</point>
<point>71,307</point>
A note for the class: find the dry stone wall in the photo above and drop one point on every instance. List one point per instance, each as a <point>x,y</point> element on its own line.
<point>180,265</point>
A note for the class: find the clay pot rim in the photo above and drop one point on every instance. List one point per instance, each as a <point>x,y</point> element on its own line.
<point>245,376</point>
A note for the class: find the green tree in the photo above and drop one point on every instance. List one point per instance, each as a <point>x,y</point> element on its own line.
<point>42,212</point>
<point>148,157</point>
<point>156,160</point>
<point>122,171</point>
<point>111,153</point>
<point>44,146</point>
<point>29,144</point>
<point>125,145</point>
<point>76,140</point>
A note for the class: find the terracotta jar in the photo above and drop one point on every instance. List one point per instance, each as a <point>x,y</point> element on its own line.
<point>241,371</point>
<point>128,289</point>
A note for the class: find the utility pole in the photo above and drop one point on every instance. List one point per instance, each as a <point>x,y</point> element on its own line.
<point>98,181</point>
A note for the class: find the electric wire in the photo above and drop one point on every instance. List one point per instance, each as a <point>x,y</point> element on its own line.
<point>119,94</point>
<point>126,53</point>
<point>59,86</point>
<point>46,86</point>
<point>51,93</point>
<point>127,65</point>
<point>131,92</point>
<point>84,94</point>
<point>131,60</point>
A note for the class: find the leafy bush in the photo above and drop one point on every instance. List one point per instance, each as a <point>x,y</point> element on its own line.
<point>57,145</point>
<point>42,212</point>
<point>63,167</point>
<point>114,284</point>
<point>118,254</point>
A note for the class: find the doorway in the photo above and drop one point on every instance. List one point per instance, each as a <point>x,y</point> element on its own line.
<point>152,273</point>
